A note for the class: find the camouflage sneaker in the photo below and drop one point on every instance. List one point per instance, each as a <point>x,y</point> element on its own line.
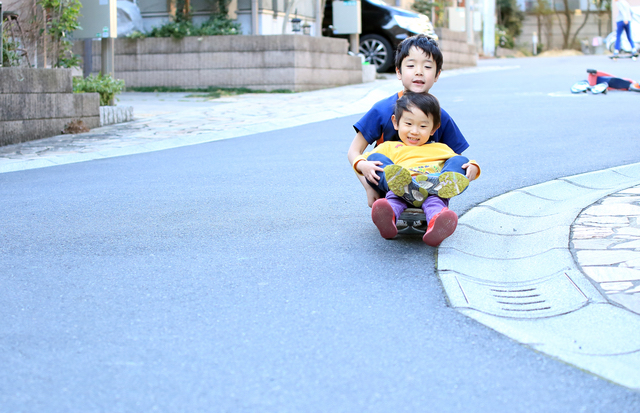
<point>444,185</point>
<point>403,185</point>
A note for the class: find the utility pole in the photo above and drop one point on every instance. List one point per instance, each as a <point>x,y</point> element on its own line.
<point>255,25</point>
<point>1,45</point>
<point>319,15</point>
<point>489,28</point>
<point>468,14</point>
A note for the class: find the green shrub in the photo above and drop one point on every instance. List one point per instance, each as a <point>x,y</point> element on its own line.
<point>177,30</point>
<point>503,38</point>
<point>61,21</point>
<point>215,26</point>
<point>10,54</point>
<point>106,86</point>
<point>211,92</point>
<point>220,26</point>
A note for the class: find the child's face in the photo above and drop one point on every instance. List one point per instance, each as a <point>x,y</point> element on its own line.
<point>418,72</point>
<point>414,128</point>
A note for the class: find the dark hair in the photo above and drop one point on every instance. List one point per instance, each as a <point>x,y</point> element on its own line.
<point>426,102</point>
<point>428,45</point>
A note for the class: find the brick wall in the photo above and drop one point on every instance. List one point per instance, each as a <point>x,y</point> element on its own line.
<point>38,103</point>
<point>292,62</point>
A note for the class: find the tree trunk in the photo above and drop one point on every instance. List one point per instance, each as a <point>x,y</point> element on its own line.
<point>567,16</point>
<point>586,17</point>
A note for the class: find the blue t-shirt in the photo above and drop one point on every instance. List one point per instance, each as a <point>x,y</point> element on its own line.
<point>377,124</point>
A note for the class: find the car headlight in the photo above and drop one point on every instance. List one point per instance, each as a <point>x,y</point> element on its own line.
<point>420,24</point>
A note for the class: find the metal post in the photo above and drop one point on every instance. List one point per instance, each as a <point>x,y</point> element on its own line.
<point>107,56</point>
<point>87,63</point>
<point>1,35</point>
<point>354,42</point>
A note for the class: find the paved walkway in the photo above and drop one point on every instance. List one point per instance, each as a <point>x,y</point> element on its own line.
<point>562,275</point>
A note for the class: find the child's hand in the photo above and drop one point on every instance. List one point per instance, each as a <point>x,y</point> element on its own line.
<point>368,169</point>
<point>472,171</point>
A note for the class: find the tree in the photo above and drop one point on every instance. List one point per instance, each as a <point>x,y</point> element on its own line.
<point>434,9</point>
<point>60,20</point>
<point>182,11</point>
<point>510,16</point>
<point>542,11</point>
<point>568,40</point>
<point>603,7</point>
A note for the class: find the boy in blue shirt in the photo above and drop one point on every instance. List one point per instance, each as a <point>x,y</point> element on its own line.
<point>418,66</point>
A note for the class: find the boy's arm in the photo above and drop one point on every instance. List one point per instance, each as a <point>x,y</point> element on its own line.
<point>358,145</point>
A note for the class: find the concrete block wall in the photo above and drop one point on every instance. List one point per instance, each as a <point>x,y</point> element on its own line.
<point>292,62</point>
<point>597,25</point>
<point>456,51</point>
<point>38,103</point>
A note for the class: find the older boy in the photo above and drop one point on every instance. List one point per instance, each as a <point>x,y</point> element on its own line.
<point>417,118</point>
<point>418,66</point>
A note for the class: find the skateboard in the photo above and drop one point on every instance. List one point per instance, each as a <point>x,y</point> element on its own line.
<point>624,56</point>
<point>412,221</point>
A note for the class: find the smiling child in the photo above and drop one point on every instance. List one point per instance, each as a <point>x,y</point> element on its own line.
<point>416,171</point>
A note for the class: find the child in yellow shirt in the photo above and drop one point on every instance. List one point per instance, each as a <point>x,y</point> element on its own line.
<point>417,172</point>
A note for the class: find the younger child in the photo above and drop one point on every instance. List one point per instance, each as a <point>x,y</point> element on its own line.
<point>417,171</point>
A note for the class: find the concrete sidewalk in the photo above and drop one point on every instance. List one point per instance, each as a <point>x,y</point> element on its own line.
<point>554,266</point>
<point>160,125</point>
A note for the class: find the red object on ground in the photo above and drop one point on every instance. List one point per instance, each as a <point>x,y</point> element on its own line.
<point>441,226</point>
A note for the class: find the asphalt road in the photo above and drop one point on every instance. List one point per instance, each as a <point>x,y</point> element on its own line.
<point>246,276</point>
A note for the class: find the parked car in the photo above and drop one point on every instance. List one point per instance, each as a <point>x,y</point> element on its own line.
<point>610,40</point>
<point>383,28</point>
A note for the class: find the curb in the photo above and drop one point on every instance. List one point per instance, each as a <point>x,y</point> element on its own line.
<point>110,115</point>
<point>511,269</point>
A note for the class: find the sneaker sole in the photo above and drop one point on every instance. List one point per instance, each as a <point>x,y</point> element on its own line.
<point>382,216</point>
<point>399,182</point>
<point>445,185</point>
<point>442,229</point>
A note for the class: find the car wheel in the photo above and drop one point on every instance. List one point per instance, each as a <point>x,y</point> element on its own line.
<point>377,51</point>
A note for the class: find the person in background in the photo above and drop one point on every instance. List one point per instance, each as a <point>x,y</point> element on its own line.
<point>623,23</point>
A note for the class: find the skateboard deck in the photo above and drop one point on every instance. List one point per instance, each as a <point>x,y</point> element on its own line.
<point>624,56</point>
<point>412,221</point>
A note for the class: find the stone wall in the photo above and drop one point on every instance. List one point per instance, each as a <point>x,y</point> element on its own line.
<point>291,62</point>
<point>455,49</point>
<point>38,103</point>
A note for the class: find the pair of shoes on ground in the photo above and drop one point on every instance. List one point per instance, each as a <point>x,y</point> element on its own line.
<point>440,227</point>
<point>415,190</point>
<point>634,87</point>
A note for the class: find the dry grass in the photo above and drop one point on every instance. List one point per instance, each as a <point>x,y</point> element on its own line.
<point>557,53</point>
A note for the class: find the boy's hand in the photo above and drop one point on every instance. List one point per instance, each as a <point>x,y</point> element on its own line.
<point>369,169</point>
<point>472,171</point>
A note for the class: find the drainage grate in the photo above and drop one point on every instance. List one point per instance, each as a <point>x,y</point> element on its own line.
<point>551,296</point>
